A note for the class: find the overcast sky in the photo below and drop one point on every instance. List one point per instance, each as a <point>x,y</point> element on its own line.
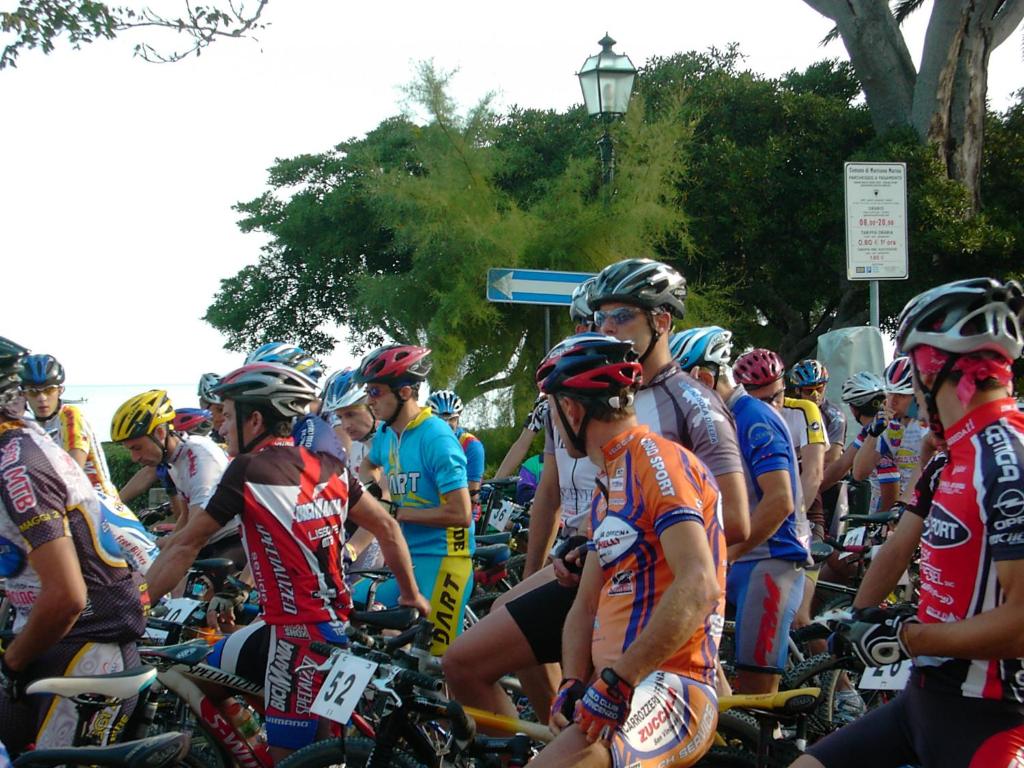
<point>118,176</point>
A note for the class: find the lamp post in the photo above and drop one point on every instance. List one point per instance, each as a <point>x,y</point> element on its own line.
<point>607,82</point>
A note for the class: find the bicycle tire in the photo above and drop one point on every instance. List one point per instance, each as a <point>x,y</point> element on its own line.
<point>344,753</point>
<point>739,729</point>
<point>820,671</point>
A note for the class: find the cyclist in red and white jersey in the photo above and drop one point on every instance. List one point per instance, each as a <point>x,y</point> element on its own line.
<point>293,505</point>
<point>964,704</point>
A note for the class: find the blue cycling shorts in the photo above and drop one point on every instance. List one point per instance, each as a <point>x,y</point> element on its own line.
<point>767,594</point>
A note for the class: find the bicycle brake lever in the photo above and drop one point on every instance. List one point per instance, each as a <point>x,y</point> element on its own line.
<point>382,684</point>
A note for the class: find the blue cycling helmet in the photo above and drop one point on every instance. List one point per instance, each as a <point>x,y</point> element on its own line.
<point>283,353</point>
<point>42,371</point>
<point>342,391</point>
<point>808,373</point>
<point>710,346</point>
<point>444,403</point>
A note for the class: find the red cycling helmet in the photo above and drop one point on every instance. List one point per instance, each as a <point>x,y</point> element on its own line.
<point>590,366</point>
<point>395,365</point>
<point>194,421</point>
<point>758,368</point>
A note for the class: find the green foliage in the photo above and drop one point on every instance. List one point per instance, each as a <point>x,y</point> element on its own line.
<point>40,23</point>
<point>120,463</point>
<point>497,441</point>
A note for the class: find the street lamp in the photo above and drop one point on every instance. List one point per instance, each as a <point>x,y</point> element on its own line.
<point>607,82</point>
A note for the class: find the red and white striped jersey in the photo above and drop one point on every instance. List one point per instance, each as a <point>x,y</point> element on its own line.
<point>976,519</point>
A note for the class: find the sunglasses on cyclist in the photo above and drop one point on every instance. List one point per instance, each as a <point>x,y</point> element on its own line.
<point>376,390</point>
<point>619,316</point>
<point>813,388</point>
<point>36,391</point>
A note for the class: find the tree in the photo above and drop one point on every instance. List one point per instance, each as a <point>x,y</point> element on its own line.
<point>40,23</point>
<point>392,234</point>
<point>764,197</point>
<point>944,101</point>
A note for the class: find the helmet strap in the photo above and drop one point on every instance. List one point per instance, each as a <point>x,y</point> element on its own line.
<point>934,422</point>
<point>578,440</point>
<point>655,335</point>
<point>398,408</point>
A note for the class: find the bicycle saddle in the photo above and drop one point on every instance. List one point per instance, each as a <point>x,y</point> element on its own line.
<point>217,568</point>
<point>192,652</point>
<point>161,751</point>
<point>116,685</point>
<point>820,551</point>
<point>872,519</point>
<point>492,556</point>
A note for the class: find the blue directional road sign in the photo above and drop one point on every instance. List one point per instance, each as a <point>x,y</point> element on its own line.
<point>533,286</point>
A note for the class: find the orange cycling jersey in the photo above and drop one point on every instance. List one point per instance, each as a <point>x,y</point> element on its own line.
<point>651,484</point>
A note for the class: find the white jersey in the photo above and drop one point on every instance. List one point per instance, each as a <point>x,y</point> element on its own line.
<point>196,467</point>
<point>575,480</point>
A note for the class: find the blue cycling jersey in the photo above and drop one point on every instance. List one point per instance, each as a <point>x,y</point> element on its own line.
<point>766,446</point>
<point>422,464</point>
<point>474,450</point>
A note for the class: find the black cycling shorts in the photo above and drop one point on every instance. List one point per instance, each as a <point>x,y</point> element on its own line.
<point>540,615</point>
<point>930,729</point>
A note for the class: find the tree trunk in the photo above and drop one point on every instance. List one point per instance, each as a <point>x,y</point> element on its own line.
<point>879,56</point>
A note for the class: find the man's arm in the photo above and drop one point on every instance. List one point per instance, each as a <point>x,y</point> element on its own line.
<point>890,562</point>
<point>175,558</point>
<point>866,459</point>
<point>62,597</point>
<point>834,452</point>
<point>516,454</point>
<point>812,457</point>
<point>775,506</point>
<point>79,456</point>
<point>578,631</point>
<point>735,515</point>
<point>544,514</point>
<point>454,512</point>
<point>367,513</point>
<point>140,482</point>
<point>839,468</point>
<point>683,607</point>
<point>993,634</point>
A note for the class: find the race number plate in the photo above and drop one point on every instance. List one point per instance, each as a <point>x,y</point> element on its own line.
<point>345,683</point>
<point>893,677</point>
<point>854,537</point>
<point>501,517</point>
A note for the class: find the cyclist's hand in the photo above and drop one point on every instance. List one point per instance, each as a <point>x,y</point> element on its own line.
<point>604,707</point>
<point>220,613</point>
<point>877,644</point>
<point>420,603</point>
<point>535,421</point>
<point>879,424</point>
<point>12,683</point>
<point>563,575</point>
<point>562,708</point>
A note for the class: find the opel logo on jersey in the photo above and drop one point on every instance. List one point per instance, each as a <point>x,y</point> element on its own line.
<point>942,530</point>
<point>1010,502</point>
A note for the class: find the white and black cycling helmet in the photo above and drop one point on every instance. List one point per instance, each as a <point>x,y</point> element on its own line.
<point>579,309</point>
<point>283,390</point>
<point>899,377</point>
<point>644,282</point>
<point>976,315</point>
<point>12,361</point>
<point>445,403</point>
<point>863,389</point>
<point>206,384</point>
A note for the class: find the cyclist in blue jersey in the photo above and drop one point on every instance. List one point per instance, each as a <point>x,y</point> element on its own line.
<point>766,576</point>
<point>448,406</point>
<point>426,473</point>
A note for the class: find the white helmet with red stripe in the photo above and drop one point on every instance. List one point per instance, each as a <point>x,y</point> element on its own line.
<point>899,379</point>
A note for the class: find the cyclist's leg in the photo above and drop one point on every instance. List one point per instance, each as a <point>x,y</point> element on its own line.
<point>571,748</point>
<point>881,739</point>
<point>243,653</point>
<point>449,593</point>
<point>673,717</point>
<point>766,594</point>
<point>56,717</point>
<point>288,690</point>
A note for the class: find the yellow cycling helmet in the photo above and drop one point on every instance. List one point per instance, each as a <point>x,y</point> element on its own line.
<point>140,415</point>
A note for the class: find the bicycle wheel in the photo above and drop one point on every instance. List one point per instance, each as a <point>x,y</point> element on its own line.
<point>820,671</point>
<point>343,753</point>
